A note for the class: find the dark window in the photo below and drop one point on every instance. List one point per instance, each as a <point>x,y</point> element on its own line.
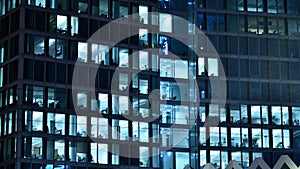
<point>231,5</point>
<point>232,23</point>
<point>60,73</point>
<point>39,70</point>
<point>201,3</point>
<point>244,90</point>
<point>274,70</point>
<point>28,69</point>
<point>242,23</point>
<point>221,22</point>
<point>294,68</point>
<point>29,22</point>
<point>244,68</point>
<point>265,91</point>
<point>221,4</point>
<point>233,45</point>
<point>211,22</point>
<point>253,46</point>
<point>264,69</point>
<point>82,27</point>
<point>295,91</point>
<point>263,46</point>
<point>103,78</point>
<point>223,45</point>
<point>40,20</point>
<point>224,62</point>
<point>211,4</point>
<point>73,50</point>
<point>93,26</point>
<point>273,48</point>
<point>179,5</point>
<point>292,6</point>
<point>275,91</point>
<point>254,68</point>
<point>243,45</point>
<point>285,92</point>
<point>13,71</point>
<point>255,91</point>
<point>50,73</point>
<point>15,20</point>
<point>234,90</point>
<point>233,67</point>
<point>283,48</point>
<point>293,49</point>
<point>285,70</point>
<point>70,73</point>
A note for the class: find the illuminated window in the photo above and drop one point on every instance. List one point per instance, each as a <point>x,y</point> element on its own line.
<point>82,100</point>
<point>143,60</point>
<point>61,24</point>
<point>213,67</point>
<point>1,77</point>
<point>165,23</point>
<point>33,121</point>
<point>56,123</point>
<point>82,52</point>
<point>100,54</point>
<point>120,105</point>
<point>74,25</point>
<point>143,37</point>
<point>143,12</point>
<point>99,128</point>
<point>120,129</point>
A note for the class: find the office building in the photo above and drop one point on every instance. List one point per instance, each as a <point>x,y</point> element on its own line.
<point>257,42</point>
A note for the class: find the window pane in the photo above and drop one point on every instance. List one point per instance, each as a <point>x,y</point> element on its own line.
<point>165,22</point>
<point>213,67</point>
<point>143,12</point>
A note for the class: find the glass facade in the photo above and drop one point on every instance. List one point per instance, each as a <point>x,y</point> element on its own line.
<point>41,40</point>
